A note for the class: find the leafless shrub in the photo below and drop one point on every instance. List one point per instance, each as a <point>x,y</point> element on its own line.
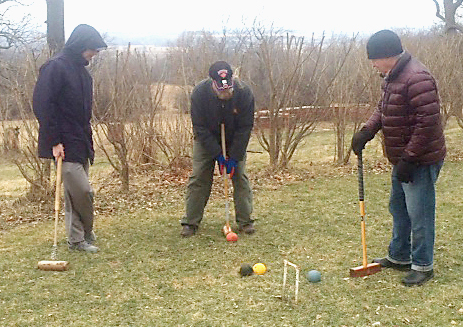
<point>353,95</point>
<point>291,72</point>
<point>18,89</point>
<point>122,97</point>
<point>10,140</point>
<point>128,107</point>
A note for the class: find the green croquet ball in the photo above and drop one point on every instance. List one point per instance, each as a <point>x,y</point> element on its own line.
<point>314,276</point>
<point>246,270</point>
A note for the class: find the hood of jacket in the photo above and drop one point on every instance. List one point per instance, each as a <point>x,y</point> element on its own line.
<point>84,37</point>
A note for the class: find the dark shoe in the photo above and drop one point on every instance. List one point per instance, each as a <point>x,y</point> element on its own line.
<point>188,230</point>
<point>83,246</point>
<point>385,263</point>
<point>417,278</point>
<point>247,229</point>
<point>90,237</point>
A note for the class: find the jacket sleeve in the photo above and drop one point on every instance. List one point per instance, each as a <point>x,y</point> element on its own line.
<point>200,126</point>
<point>244,125</point>
<point>45,102</point>
<point>424,111</point>
<point>374,123</point>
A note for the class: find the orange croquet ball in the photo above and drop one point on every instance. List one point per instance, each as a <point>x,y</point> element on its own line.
<point>232,237</point>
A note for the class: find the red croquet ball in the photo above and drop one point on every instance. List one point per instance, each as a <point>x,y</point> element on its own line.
<point>232,237</point>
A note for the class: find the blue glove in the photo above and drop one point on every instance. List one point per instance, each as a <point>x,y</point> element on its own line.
<point>231,165</point>
<point>222,162</point>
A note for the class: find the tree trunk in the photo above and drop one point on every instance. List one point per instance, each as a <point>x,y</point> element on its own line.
<point>450,9</point>
<point>55,25</point>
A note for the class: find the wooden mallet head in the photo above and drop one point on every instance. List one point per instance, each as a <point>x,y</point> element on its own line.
<point>226,229</point>
<point>369,269</point>
<point>53,265</point>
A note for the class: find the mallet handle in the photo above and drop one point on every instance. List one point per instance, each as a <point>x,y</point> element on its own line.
<point>362,208</point>
<point>225,179</point>
<point>360,178</point>
<point>59,166</point>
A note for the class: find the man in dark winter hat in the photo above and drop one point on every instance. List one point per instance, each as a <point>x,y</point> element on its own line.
<point>62,103</point>
<point>220,99</point>
<point>409,116</point>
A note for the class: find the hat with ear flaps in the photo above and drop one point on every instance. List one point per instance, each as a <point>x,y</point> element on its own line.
<point>384,44</point>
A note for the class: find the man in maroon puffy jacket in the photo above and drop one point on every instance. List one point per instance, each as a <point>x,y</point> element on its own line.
<point>409,116</point>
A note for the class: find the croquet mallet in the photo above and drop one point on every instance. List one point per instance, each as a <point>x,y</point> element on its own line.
<point>226,228</point>
<point>54,264</point>
<point>367,268</point>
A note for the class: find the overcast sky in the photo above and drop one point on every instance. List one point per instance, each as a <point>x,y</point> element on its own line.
<point>137,19</point>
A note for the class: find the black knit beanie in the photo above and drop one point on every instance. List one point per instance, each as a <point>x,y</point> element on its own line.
<point>384,44</point>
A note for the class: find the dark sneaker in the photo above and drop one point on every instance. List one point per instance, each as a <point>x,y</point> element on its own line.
<point>83,246</point>
<point>385,263</point>
<point>247,229</point>
<point>90,237</point>
<point>417,278</point>
<point>188,230</point>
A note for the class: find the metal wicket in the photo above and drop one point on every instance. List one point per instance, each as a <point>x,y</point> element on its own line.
<point>285,273</point>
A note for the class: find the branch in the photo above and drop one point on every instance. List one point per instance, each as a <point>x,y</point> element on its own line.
<point>3,1</point>
<point>438,14</point>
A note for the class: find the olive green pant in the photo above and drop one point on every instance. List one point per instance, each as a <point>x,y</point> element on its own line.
<point>200,184</point>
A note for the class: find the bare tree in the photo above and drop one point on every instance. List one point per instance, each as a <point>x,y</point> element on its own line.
<point>127,104</point>
<point>291,78</point>
<point>18,75</point>
<point>449,15</point>
<point>14,33</point>
<point>18,94</point>
<point>352,96</point>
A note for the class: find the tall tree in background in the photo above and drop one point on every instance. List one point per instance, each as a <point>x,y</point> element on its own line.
<point>55,25</point>
<point>449,15</point>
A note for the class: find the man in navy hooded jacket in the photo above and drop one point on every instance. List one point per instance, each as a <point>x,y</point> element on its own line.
<point>62,103</point>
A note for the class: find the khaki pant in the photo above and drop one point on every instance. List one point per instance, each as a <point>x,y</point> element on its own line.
<point>78,201</point>
<point>200,184</point>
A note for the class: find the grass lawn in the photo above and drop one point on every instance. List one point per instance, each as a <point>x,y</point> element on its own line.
<point>147,275</point>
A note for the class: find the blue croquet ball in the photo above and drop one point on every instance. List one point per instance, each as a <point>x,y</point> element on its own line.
<point>314,276</point>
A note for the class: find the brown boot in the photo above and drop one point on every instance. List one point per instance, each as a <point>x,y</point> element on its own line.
<point>188,230</point>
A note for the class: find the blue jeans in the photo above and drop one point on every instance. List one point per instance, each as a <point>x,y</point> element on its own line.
<point>413,207</point>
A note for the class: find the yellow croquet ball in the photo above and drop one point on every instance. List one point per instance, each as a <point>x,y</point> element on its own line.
<point>259,268</point>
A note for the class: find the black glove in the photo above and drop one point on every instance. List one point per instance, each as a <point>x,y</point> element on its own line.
<point>360,139</point>
<point>405,171</point>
